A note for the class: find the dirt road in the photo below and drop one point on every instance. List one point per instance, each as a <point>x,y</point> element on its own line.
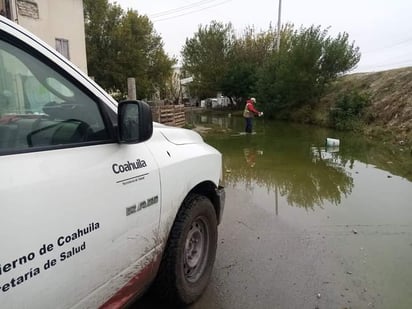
<point>266,260</point>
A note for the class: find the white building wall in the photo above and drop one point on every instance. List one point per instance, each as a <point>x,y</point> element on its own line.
<point>55,19</point>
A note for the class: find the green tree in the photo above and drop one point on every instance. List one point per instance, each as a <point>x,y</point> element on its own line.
<point>247,55</point>
<point>124,44</point>
<point>295,75</point>
<point>101,20</point>
<point>307,61</point>
<point>205,56</point>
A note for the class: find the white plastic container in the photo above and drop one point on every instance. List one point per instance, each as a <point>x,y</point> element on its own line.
<point>333,142</point>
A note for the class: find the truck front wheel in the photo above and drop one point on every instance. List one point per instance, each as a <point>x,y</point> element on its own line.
<point>190,252</point>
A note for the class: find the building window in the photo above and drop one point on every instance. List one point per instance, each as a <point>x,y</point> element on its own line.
<point>62,46</point>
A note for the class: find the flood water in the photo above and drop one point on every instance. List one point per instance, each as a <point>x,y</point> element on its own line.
<point>305,225</point>
<point>353,203</point>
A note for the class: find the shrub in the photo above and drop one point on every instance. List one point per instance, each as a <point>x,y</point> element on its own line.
<point>349,111</point>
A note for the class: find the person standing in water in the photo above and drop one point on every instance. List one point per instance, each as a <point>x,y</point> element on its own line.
<point>250,112</point>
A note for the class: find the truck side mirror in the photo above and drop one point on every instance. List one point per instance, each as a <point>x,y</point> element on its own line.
<point>135,123</point>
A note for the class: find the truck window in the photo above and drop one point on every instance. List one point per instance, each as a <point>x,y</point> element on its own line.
<point>40,108</point>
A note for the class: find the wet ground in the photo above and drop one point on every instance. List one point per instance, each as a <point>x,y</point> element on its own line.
<point>310,226</point>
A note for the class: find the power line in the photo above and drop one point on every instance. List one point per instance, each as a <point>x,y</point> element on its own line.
<point>409,40</point>
<point>181,8</point>
<point>193,11</point>
<point>397,63</point>
<point>384,65</point>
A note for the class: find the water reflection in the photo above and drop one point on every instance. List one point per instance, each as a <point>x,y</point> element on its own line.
<point>290,160</point>
<point>250,156</point>
<point>306,179</point>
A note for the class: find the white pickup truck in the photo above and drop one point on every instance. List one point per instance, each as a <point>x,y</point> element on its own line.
<point>97,202</point>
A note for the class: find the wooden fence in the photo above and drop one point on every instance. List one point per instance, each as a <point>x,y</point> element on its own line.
<point>172,115</point>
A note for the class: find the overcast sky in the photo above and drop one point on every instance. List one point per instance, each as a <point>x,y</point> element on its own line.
<point>381,28</point>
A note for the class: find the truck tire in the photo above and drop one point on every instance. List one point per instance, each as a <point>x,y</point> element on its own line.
<point>190,252</point>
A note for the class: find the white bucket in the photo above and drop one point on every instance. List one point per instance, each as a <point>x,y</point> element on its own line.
<point>332,142</point>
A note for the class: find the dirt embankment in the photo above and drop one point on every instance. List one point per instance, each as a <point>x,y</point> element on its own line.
<point>390,111</point>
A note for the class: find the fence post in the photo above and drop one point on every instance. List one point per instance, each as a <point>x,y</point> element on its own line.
<point>131,88</point>
<point>174,115</point>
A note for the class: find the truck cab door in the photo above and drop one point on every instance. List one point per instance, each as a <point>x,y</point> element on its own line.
<point>80,212</point>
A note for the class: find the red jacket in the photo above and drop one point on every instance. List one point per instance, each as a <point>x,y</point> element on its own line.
<point>250,109</point>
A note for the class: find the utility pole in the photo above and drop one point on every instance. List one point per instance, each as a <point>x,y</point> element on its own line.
<point>279,25</point>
